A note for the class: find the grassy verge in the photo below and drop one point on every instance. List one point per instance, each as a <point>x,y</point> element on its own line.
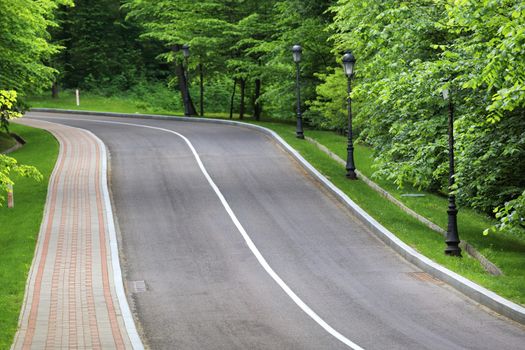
<point>506,251</point>
<point>19,226</point>
<point>6,141</point>
<point>90,102</point>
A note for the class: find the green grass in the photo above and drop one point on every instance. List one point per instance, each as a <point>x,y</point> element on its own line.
<point>19,226</point>
<point>6,141</point>
<point>505,250</point>
<point>90,102</point>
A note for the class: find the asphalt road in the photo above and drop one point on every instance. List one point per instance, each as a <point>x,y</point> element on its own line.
<point>205,285</point>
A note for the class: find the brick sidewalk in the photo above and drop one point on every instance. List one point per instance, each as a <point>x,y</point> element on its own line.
<point>70,300</point>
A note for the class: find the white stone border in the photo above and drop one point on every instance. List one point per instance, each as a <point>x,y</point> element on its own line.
<point>472,290</point>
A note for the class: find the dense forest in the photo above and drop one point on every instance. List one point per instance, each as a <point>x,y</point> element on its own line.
<point>240,59</point>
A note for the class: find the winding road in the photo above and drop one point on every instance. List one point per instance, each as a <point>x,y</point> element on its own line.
<point>227,243</point>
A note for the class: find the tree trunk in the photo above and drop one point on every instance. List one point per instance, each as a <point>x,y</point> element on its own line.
<point>201,76</point>
<point>243,91</point>
<point>54,90</point>
<point>233,97</point>
<point>179,71</point>
<point>257,108</point>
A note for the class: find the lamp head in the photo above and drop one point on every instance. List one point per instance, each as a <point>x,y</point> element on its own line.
<point>297,50</point>
<point>348,64</point>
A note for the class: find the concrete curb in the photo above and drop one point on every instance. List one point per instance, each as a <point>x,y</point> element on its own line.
<point>489,266</point>
<point>472,290</point>
<point>12,149</point>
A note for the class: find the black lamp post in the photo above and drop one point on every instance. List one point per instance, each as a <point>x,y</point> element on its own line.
<point>452,238</point>
<point>348,65</point>
<point>186,53</point>
<point>297,50</point>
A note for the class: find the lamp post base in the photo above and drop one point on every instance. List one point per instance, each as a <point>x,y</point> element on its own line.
<point>453,250</point>
<point>351,175</point>
<point>299,135</point>
<point>452,239</point>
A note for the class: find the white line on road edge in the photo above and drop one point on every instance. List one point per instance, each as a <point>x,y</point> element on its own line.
<point>302,305</point>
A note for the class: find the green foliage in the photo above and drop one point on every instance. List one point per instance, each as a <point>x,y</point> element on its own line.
<point>8,164</point>
<point>199,24</point>
<point>101,48</point>
<point>492,43</point>
<point>8,108</point>
<point>248,40</point>
<point>24,45</point>
<point>407,53</point>
<point>511,216</point>
<point>302,22</point>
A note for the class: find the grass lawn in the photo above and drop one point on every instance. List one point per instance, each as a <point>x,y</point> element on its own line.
<point>506,251</point>
<point>91,102</point>
<point>19,226</point>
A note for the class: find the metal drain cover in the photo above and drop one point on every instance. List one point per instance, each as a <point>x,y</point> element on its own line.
<point>137,286</point>
<point>425,277</point>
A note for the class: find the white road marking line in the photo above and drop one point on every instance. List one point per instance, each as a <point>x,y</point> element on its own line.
<point>262,261</point>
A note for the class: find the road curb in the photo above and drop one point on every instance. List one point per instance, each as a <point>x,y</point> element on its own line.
<point>474,291</point>
<point>489,266</point>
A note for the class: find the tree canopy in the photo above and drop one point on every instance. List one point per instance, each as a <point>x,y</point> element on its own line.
<point>25,47</point>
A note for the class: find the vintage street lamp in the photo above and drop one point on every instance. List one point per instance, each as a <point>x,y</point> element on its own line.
<point>452,238</point>
<point>348,65</point>
<point>297,50</point>
<point>186,53</point>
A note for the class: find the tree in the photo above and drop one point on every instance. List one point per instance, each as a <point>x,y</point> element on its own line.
<point>24,46</point>
<point>248,37</point>
<point>174,23</point>
<point>102,48</point>
<point>301,22</point>
<point>488,51</point>
<point>407,53</point>
<point>8,108</point>
<point>8,165</point>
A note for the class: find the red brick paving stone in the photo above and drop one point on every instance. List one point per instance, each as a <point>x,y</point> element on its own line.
<point>70,299</point>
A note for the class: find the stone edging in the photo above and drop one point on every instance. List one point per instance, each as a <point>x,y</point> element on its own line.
<point>472,290</point>
<point>12,149</point>
<point>488,265</point>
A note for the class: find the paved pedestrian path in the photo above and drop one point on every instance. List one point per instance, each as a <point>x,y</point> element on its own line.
<point>71,299</point>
